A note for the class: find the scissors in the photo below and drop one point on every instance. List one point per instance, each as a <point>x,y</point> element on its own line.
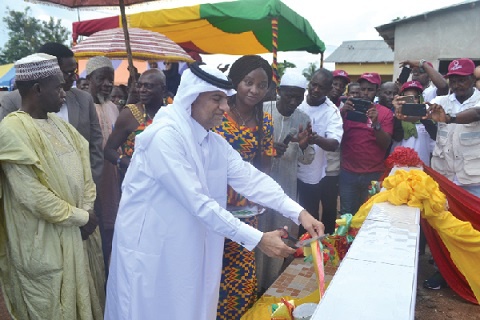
<point>300,243</point>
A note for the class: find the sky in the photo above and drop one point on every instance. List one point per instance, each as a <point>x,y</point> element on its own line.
<point>333,21</point>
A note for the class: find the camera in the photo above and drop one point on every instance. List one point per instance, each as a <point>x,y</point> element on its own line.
<point>404,75</point>
<point>414,109</point>
<point>361,105</point>
<point>407,99</point>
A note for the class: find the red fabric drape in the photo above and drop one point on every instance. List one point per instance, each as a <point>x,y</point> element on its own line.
<point>466,207</point>
<point>88,27</point>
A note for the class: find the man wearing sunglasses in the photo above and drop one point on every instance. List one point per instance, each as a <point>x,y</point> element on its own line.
<point>78,108</point>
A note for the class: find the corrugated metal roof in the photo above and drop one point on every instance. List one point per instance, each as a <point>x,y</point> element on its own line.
<point>364,51</point>
<point>387,31</point>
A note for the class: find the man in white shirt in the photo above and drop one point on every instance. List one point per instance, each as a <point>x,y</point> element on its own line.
<point>169,233</point>
<point>327,134</point>
<point>456,154</point>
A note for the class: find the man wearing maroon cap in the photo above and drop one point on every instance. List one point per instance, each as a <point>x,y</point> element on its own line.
<point>456,154</point>
<point>364,145</point>
<point>420,135</point>
<point>340,81</point>
<point>457,142</point>
<point>431,80</point>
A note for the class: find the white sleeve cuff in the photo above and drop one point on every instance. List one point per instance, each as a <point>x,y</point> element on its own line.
<point>290,209</point>
<point>247,236</point>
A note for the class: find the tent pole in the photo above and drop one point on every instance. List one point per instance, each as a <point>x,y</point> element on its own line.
<point>131,67</point>
<point>275,49</point>
<point>321,59</point>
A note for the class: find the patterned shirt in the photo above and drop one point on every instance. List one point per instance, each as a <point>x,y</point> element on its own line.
<point>244,140</point>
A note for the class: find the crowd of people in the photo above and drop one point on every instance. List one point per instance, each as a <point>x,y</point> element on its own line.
<point>164,198</point>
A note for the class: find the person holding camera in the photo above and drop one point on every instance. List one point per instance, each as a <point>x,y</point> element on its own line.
<point>431,80</point>
<point>418,134</point>
<point>455,154</point>
<point>368,128</point>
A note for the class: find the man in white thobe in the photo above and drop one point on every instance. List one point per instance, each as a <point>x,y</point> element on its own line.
<point>168,244</point>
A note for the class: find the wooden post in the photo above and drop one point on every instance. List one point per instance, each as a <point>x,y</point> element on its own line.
<point>127,41</point>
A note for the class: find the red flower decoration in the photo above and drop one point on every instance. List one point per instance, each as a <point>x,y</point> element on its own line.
<point>401,157</point>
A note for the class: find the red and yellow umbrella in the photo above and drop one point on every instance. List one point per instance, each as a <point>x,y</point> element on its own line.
<point>145,44</point>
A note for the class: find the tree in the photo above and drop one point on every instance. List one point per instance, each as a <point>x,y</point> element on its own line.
<point>27,34</point>
<point>310,70</point>
<point>281,66</point>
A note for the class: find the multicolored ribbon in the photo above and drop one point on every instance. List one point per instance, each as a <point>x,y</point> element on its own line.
<point>317,253</point>
<point>275,49</point>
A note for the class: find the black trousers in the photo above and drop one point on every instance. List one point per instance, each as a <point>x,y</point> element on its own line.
<point>326,192</point>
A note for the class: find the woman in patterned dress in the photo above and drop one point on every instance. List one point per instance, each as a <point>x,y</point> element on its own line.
<point>250,131</point>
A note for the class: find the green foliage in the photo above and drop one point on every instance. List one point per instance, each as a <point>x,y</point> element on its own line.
<point>399,18</point>
<point>27,34</point>
<point>310,70</point>
<point>281,66</point>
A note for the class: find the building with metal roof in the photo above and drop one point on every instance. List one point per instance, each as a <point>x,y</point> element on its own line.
<point>438,36</point>
<point>357,57</point>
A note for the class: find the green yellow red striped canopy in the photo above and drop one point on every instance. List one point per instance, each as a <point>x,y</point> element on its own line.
<point>237,27</point>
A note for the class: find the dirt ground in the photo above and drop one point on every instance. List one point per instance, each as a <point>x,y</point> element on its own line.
<point>440,304</point>
<point>431,304</point>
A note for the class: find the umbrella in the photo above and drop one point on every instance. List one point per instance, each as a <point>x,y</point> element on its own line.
<point>236,27</point>
<point>73,4</point>
<point>145,44</point>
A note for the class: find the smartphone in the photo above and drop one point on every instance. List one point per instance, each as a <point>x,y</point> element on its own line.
<point>407,99</point>
<point>404,75</point>
<point>414,109</point>
<point>361,105</point>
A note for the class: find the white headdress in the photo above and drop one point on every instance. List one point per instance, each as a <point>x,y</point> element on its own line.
<point>97,63</point>
<point>293,78</point>
<point>36,66</point>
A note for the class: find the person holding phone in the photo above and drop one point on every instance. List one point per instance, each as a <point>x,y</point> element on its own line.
<point>431,80</point>
<point>456,153</point>
<point>415,134</point>
<point>364,145</point>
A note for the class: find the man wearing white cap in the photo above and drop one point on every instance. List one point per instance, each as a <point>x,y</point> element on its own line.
<point>291,133</point>
<point>47,205</point>
<point>100,74</point>
<point>78,108</point>
<point>171,226</point>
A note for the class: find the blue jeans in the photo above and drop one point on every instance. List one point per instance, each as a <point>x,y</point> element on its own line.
<point>475,190</point>
<point>354,189</point>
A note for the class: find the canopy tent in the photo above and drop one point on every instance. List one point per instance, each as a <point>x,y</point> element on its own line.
<point>237,27</point>
<point>7,75</point>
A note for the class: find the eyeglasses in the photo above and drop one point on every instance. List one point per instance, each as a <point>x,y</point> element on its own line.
<point>148,86</point>
<point>71,74</point>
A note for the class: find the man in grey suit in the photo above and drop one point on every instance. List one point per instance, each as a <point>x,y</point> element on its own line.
<point>78,108</point>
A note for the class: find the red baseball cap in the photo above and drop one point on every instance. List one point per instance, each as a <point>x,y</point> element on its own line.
<point>461,67</point>
<point>411,85</point>
<point>341,74</point>
<point>371,77</point>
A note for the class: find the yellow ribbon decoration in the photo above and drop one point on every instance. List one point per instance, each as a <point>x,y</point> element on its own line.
<point>417,189</point>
